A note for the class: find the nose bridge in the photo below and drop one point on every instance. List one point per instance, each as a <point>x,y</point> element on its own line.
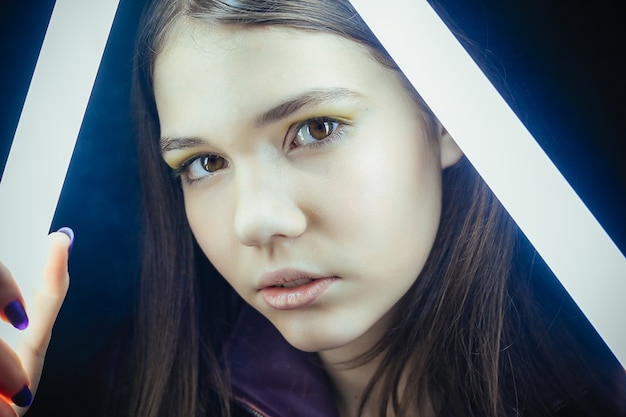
<point>265,207</point>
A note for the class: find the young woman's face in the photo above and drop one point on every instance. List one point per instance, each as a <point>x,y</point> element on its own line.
<point>308,177</point>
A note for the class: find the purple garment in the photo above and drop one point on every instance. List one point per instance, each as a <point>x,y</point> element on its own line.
<point>270,378</point>
<point>273,378</point>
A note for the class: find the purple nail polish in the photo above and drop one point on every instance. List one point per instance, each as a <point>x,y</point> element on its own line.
<point>70,233</point>
<point>23,398</point>
<point>17,315</point>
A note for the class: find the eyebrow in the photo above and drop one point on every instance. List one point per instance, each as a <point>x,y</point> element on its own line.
<point>172,144</point>
<point>310,98</point>
<point>277,113</point>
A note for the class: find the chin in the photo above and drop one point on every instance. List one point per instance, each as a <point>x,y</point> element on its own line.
<point>318,340</point>
<point>315,345</point>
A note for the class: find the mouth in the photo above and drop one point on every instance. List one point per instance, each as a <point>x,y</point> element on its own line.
<point>290,290</point>
<point>295,283</point>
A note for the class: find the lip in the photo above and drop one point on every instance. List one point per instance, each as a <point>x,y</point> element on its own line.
<point>291,298</point>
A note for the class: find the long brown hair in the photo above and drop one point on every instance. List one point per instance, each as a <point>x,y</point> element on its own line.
<point>463,333</point>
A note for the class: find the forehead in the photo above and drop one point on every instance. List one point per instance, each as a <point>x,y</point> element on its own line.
<point>236,71</point>
<point>187,31</point>
<point>282,48</point>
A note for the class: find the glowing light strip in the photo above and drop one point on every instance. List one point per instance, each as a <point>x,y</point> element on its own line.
<point>546,208</point>
<point>46,135</point>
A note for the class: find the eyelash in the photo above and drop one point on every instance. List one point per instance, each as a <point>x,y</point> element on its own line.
<point>337,132</point>
<point>181,172</point>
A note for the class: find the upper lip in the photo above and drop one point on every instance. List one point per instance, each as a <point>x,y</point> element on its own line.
<point>283,276</point>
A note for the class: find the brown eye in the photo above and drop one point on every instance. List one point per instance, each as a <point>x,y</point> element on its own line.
<point>212,163</point>
<point>320,129</point>
<point>314,131</point>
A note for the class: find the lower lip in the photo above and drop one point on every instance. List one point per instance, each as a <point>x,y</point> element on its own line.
<point>281,298</point>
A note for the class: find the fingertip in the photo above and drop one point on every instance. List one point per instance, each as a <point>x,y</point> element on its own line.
<point>55,270</point>
<point>16,314</point>
<point>69,233</point>
<point>24,398</point>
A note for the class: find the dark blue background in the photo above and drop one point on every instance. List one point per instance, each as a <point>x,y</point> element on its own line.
<point>560,65</point>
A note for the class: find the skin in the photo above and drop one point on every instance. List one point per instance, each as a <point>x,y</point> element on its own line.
<point>24,365</point>
<point>361,205</point>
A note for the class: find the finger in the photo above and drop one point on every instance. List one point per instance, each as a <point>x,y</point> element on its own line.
<point>11,300</point>
<point>14,381</point>
<point>46,305</point>
<point>6,410</point>
<point>55,272</point>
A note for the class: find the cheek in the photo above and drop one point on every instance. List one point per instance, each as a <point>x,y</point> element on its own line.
<point>389,211</point>
<point>391,183</point>
<point>208,220</point>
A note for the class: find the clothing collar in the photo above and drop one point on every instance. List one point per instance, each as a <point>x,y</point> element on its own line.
<point>272,377</point>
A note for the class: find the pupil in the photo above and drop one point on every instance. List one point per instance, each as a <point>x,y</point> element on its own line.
<point>319,129</point>
<point>212,163</point>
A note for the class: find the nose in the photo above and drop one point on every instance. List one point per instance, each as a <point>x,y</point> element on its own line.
<point>266,210</point>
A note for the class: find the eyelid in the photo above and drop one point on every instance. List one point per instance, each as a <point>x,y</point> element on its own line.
<point>179,171</point>
<point>177,158</point>
<point>178,164</point>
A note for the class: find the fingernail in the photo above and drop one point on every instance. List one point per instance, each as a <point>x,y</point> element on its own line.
<point>17,315</point>
<point>23,398</point>
<point>70,233</point>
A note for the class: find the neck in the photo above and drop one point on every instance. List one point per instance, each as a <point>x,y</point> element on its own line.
<point>350,381</point>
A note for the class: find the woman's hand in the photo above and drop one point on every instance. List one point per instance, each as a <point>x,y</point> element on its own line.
<point>20,370</point>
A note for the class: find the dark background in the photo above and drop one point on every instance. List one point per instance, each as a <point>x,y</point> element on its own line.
<point>559,64</point>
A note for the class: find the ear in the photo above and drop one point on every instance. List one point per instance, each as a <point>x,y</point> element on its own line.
<point>449,151</point>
